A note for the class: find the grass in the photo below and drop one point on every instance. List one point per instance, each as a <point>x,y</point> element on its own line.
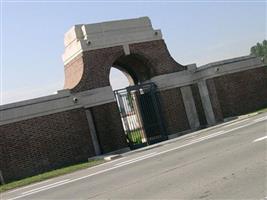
<point>135,136</point>
<point>262,110</point>
<point>50,174</point>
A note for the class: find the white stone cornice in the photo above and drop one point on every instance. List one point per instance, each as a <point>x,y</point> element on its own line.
<point>86,37</point>
<point>60,102</point>
<point>193,75</point>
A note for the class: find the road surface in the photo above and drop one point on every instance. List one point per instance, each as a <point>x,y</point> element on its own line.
<point>226,162</point>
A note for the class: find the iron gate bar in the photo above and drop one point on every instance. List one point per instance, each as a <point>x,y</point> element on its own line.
<point>140,113</point>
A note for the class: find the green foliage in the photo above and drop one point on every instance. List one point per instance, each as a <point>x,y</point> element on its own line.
<point>130,101</point>
<point>135,136</point>
<point>260,50</point>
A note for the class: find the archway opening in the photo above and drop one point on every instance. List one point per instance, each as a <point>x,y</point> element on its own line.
<point>119,79</point>
<point>130,70</point>
<point>137,100</point>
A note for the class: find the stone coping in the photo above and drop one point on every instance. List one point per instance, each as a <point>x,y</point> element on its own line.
<point>226,61</point>
<point>60,102</point>
<point>193,74</point>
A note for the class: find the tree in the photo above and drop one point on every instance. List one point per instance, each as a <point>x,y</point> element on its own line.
<point>260,50</point>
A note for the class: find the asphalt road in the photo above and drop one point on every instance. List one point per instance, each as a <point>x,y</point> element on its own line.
<point>226,162</point>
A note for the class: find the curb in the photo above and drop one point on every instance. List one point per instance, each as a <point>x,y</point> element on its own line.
<point>112,157</point>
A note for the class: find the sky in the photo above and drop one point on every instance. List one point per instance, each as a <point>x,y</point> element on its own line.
<point>198,32</point>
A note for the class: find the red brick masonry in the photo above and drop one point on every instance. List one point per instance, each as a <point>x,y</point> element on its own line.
<point>109,128</point>
<point>173,111</point>
<point>239,93</point>
<point>44,143</point>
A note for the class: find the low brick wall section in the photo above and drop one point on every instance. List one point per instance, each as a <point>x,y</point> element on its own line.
<point>173,110</point>
<point>109,128</point>
<point>44,143</point>
<point>240,93</point>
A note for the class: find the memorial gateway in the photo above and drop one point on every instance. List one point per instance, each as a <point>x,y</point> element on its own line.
<point>86,118</point>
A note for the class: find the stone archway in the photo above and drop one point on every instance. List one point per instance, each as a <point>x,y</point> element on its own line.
<point>85,120</point>
<point>134,47</point>
<point>92,49</point>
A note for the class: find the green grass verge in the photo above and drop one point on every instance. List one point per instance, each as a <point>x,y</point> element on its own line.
<point>50,174</point>
<point>262,110</point>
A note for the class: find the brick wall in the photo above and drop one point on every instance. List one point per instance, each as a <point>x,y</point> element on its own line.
<point>157,55</point>
<point>109,127</point>
<point>240,93</point>
<point>33,146</point>
<point>173,111</point>
<point>96,68</point>
<point>73,72</point>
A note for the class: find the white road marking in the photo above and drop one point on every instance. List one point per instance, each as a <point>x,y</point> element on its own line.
<point>90,168</point>
<point>24,194</point>
<point>115,167</point>
<point>156,154</point>
<point>260,119</point>
<point>239,127</point>
<point>29,193</point>
<point>238,122</point>
<point>22,188</point>
<point>193,142</point>
<point>33,192</point>
<point>134,159</point>
<point>260,139</point>
<point>46,186</point>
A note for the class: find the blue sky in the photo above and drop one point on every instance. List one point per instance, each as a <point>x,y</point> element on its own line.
<point>195,32</point>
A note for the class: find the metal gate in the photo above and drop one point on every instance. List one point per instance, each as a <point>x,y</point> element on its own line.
<point>140,113</point>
